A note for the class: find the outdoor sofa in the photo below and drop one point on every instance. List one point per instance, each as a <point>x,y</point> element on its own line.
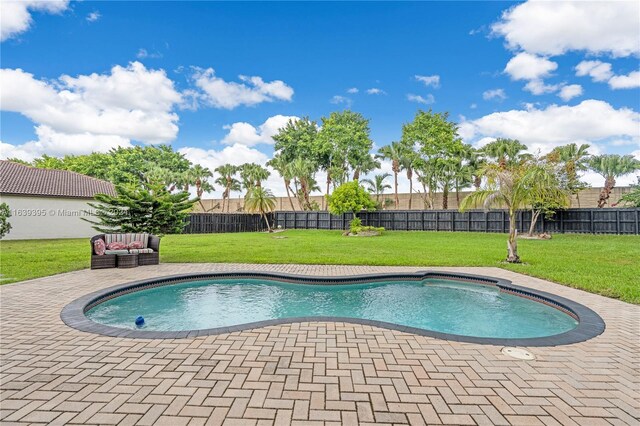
<point>142,249</point>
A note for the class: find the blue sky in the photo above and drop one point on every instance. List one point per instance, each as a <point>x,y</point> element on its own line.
<point>488,63</point>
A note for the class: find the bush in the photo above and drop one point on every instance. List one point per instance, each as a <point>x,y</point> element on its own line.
<point>5,214</point>
<point>350,197</point>
<point>355,223</point>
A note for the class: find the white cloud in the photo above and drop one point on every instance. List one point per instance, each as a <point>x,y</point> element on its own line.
<point>353,90</point>
<point>93,16</point>
<point>629,81</point>
<point>429,99</point>
<point>537,87</point>
<point>245,134</point>
<point>429,80</point>
<point>601,71</point>
<point>337,99</point>
<point>93,112</point>
<point>525,66</point>
<point>569,92</point>
<point>376,91</point>
<point>473,106</point>
<point>144,54</point>
<point>591,121</point>
<point>219,93</point>
<point>15,16</point>
<point>553,28</point>
<point>498,94</point>
<point>597,70</point>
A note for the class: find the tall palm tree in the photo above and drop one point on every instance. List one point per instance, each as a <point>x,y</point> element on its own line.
<point>368,164</point>
<point>392,152</point>
<point>252,175</point>
<point>574,159</point>
<point>408,160</point>
<point>200,176</point>
<point>303,171</point>
<point>260,200</point>
<point>515,188</point>
<point>610,167</point>
<point>284,170</point>
<point>377,185</point>
<point>507,152</point>
<point>227,174</point>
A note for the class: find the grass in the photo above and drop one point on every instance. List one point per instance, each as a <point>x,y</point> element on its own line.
<point>603,264</point>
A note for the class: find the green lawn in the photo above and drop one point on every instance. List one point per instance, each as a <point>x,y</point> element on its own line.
<point>604,264</point>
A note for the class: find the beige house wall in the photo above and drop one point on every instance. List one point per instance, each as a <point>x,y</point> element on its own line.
<point>588,198</point>
<point>48,217</point>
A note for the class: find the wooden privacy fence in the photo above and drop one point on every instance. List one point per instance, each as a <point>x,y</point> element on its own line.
<point>589,221</point>
<point>215,223</point>
<point>585,221</point>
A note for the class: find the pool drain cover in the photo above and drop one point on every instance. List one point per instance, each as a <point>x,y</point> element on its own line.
<point>518,353</point>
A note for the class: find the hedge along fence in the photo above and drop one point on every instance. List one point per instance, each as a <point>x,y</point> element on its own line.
<point>590,221</point>
<point>585,221</point>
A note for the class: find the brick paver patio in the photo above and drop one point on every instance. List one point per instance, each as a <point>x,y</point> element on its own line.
<point>307,373</point>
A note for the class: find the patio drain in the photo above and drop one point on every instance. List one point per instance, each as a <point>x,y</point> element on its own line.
<point>518,353</point>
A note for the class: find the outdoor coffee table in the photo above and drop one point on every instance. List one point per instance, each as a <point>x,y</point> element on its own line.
<point>127,260</point>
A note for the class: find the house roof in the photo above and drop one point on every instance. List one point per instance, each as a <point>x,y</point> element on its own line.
<point>18,179</point>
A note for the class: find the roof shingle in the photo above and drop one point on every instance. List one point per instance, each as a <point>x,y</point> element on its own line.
<point>17,179</point>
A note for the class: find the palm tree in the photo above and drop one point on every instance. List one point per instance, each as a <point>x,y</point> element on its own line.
<point>507,152</point>
<point>368,164</point>
<point>303,171</point>
<point>260,200</point>
<point>284,170</point>
<point>513,187</point>
<point>574,159</point>
<point>611,167</point>
<point>200,176</point>
<point>393,153</point>
<point>227,174</point>
<point>408,159</point>
<point>377,185</point>
<point>252,175</point>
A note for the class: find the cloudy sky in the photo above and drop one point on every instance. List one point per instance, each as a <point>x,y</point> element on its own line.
<point>216,80</point>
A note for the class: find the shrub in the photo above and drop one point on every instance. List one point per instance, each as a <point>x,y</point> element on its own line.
<point>350,197</point>
<point>355,225</point>
<point>5,214</point>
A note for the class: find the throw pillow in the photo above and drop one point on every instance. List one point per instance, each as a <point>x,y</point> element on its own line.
<point>99,247</point>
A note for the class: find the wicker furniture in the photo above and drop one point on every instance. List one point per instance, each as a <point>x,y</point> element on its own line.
<point>127,260</point>
<point>149,254</point>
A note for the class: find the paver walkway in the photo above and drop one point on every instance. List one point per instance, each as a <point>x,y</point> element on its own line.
<point>307,373</point>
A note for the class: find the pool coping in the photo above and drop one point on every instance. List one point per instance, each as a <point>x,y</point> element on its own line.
<point>590,324</point>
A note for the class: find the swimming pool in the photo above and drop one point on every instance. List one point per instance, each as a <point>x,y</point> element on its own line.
<point>457,307</point>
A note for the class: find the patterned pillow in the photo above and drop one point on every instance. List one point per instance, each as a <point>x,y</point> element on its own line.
<point>135,245</point>
<point>117,245</point>
<point>99,247</point>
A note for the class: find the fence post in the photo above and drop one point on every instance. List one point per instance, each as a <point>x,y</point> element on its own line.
<point>590,221</point>
<point>617,221</point>
<point>453,221</point>
<point>486,221</point>
<point>437,221</point>
<point>406,217</point>
<point>638,221</point>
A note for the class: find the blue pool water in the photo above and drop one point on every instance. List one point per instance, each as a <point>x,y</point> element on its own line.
<point>432,304</point>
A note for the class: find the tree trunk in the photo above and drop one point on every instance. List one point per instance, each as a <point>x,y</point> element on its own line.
<point>609,184</point>
<point>534,220</point>
<point>286,187</point>
<point>477,182</point>
<point>512,242</point>
<point>445,197</point>
<point>264,216</point>
<point>410,177</point>
<point>395,184</point>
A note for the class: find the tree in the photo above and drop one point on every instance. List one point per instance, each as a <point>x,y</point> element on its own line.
<point>5,214</point>
<point>200,178</point>
<point>393,153</point>
<point>344,144</point>
<point>610,167</point>
<point>350,197</point>
<point>260,200</point>
<point>548,193</point>
<point>506,152</point>
<point>574,159</point>
<point>227,179</point>
<point>377,185</point>
<point>283,167</point>
<point>252,176</point>
<point>631,199</point>
<point>303,172</point>
<point>509,186</point>
<point>148,207</point>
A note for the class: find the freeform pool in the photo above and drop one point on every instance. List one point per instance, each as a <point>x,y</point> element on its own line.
<point>457,307</point>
